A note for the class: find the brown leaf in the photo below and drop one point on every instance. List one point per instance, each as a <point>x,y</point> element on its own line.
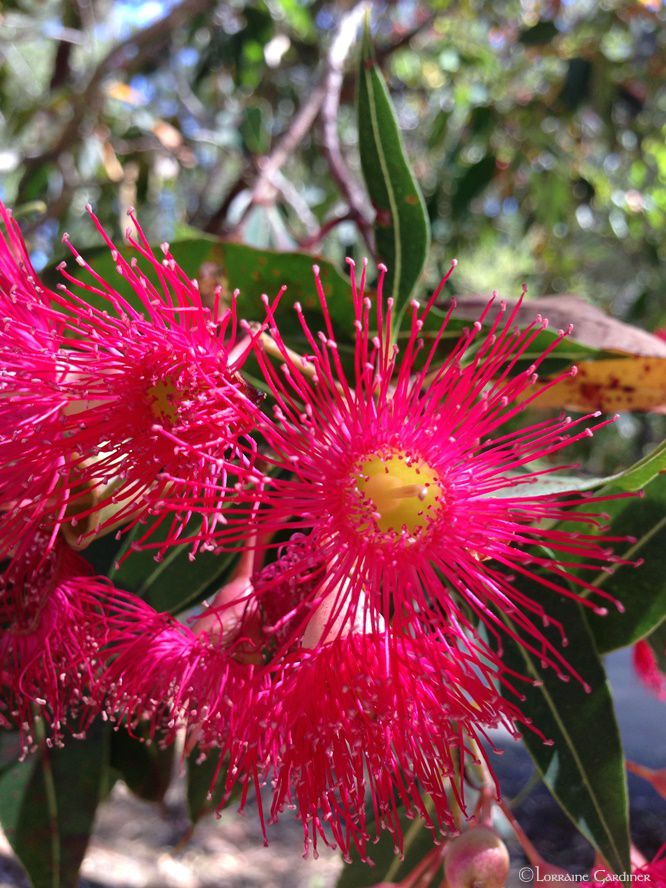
<point>168,135</point>
<point>592,326</point>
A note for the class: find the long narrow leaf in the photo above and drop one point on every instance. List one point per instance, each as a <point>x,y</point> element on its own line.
<point>402,229</point>
<point>584,766</point>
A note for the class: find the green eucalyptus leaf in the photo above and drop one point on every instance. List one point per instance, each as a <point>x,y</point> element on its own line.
<point>48,804</point>
<point>640,473</point>
<point>236,266</point>
<point>547,485</point>
<point>145,767</point>
<point>173,582</point>
<point>584,766</point>
<point>402,229</point>
<point>255,127</point>
<point>538,35</point>
<point>201,772</point>
<point>10,749</point>
<point>642,589</point>
<point>103,552</point>
<point>473,181</point>
<point>631,480</point>
<point>577,83</point>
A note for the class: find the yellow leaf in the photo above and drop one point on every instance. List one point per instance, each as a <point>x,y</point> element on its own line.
<point>612,385</point>
<point>122,92</point>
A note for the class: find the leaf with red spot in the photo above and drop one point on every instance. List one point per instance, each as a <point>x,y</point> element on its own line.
<point>619,367</point>
<point>611,385</point>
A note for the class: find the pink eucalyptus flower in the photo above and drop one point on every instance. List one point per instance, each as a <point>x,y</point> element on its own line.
<point>349,711</point>
<point>392,718</point>
<point>52,629</point>
<point>284,589</point>
<point>21,291</point>
<point>152,414</point>
<point>655,870</point>
<point>164,673</point>
<point>353,709</point>
<point>29,400</point>
<point>408,481</point>
<point>201,677</point>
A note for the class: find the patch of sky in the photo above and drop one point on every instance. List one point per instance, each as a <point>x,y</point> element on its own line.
<point>187,56</point>
<point>53,28</point>
<point>492,206</point>
<point>325,19</point>
<point>145,86</point>
<point>42,244</point>
<point>127,15</point>
<point>138,13</point>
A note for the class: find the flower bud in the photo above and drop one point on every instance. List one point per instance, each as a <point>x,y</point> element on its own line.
<point>477,859</point>
<point>340,615</point>
<point>233,621</point>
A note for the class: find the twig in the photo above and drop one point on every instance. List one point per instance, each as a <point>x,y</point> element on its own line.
<point>657,778</point>
<point>292,196</point>
<point>352,190</point>
<point>385,51</point>
<point>487,788</point>
<point>530,851</point>
<point>324,99</point>
<point>263,190</point>
<point>533,780</point>
<point>281,238</point>
<point>126,55</point>
<point>318,236</point>
<point>215,224</point>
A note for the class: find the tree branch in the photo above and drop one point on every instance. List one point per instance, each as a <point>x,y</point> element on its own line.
<point>351,189</point>
<point>383,52</point>
<point>127,55</point>
<point>317,237</point>
<point>263,190</point>
<point>324,99</point>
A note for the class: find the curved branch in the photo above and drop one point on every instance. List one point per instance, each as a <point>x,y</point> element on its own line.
<point>127,55</point>
<point>352,190</point>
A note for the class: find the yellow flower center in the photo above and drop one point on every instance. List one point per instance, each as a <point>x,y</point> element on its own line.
<point>163,397</point>
<point>400,493</point>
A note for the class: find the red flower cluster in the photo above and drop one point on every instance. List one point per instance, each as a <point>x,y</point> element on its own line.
<point>119,406</point>
<point>353,663</point>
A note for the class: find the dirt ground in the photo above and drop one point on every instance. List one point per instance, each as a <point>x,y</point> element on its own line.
<point>136,845</point>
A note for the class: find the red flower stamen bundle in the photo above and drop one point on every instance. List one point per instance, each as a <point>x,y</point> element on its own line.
<point>141,406</point>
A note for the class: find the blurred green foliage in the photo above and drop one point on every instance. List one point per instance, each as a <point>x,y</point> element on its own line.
<point>536,130</point>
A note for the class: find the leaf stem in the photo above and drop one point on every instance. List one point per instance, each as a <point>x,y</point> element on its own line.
<point>51,800</point>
